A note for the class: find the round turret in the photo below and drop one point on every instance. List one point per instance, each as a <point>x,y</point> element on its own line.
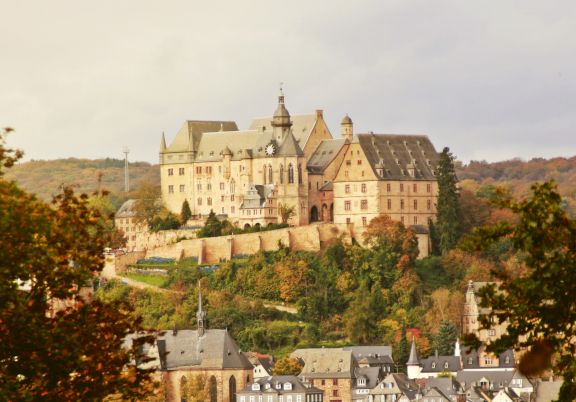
<point>347,120</point>
<point>347,128</point>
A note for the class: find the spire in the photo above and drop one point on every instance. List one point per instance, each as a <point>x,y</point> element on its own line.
<point>201,315</point>
<point>163,143</point>
<point>281,120</point>
<point>413,360</point>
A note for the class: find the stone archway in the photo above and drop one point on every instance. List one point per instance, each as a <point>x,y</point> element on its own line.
<point>246,226</point>
<point>314,214</point>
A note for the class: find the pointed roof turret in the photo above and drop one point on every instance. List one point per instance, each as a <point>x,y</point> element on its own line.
<point>226,151</point>
<point>290,147</point>
<point>163,143</point>
<point>413,360</point>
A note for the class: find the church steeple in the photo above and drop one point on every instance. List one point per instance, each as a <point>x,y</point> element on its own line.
<point>281,120</point>
<point>201,314</point>
<point>413,367</point>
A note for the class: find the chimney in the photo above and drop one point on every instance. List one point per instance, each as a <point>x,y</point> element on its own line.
<point>319,114</point>
<point>174,330</point>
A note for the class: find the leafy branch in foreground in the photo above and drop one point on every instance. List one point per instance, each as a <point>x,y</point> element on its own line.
<point>540,306</point>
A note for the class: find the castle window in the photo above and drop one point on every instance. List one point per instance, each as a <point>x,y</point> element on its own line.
<point>232,209</point>
<point>199,201</point>
<point>488,360</point>
<point>198,169</point>
<point>346,173</point>
<point>270,174</point>
<point>347,189</point>
<point>209,169</point>
<point>181,188</point>
<point>388,187</point>
<point>364,204</point>
<point>428,205</point>
<point>303,209</point>
<point>264,174</point>
<point>428,188</point>
<point>401,204</point>
<point>348,163</point>
<point>170,189</point>
<point>389,203</point>
<point>364,221</point>
<point>232,198</point>
<point>209,201</point>
<point>209,185</point>
<point>359,161</point>
<point>222,198</point>
<point>219,169</point>
<point>402,219</point>
<point>221,186</point>
<point>347,221</point>
<point>415,204</point>
<point>317,186</point>
<point>347,205</point>
<point>415,220</point>
<point>199,185</point>
<point>492,332</point>
<point>181,171</point>
<point>232,188</point>
<point>415,188</point>
<point>290,174</point>
<point>401,186</point>
<point>170,172</point>
<point>299,174</point>
<point>363,187</point>
<point>281,174</point>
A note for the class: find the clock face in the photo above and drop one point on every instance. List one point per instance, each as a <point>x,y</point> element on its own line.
<point>270,149</point>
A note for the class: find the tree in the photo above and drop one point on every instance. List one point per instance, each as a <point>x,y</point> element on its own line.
<point>403,350</point>
<point>193,388</point>
<point>361,319</point>
<point>540,305</point>
<point>212,227</point>
<point>117,239</point>
<point>287,366</point>
<point>47,253</point>
<point>186,213</point>
<point>147,205</point>
<point>446,338</point>
<point>286,212</point>
<point>448,215</point>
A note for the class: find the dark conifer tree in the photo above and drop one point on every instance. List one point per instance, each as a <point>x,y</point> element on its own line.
<point>212,227</point>
<point>446,338</point>
<point>448,215</point>
<point>186,213</point>
<point>403,350</point>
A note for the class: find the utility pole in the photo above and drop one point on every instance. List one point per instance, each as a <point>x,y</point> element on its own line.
<point>126,151</point>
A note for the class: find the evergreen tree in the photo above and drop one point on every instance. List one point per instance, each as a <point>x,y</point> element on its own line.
<point>360,318</point>
<point>403,350</point>
<point>434,240</point>
<point>448,215</point>
<point>446,338</point>
<point>186,213</point>
<point>212,227</point>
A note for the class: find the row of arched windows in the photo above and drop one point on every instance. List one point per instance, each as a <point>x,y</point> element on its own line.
<point>268,177</point>
<point>208,201</point>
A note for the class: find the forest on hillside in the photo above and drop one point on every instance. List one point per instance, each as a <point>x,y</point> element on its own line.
<point>45,178</point>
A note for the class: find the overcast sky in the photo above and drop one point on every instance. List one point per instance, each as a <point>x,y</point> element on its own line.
<point>492,80</point>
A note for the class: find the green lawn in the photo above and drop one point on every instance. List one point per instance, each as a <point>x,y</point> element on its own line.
<point>156,280</point>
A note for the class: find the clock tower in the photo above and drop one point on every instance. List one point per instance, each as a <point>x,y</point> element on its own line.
<point>280,121</point>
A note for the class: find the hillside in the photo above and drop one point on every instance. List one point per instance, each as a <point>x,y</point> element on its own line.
<point>45,178</point>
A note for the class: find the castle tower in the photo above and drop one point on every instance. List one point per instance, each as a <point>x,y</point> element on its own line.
<point>281,120</point>
<point>413,366</point>
<point>347,128</point>
<point>470,324</point>
<point>201,314</point>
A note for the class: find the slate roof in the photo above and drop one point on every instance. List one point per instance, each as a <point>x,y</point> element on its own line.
<point>327,187</point>
<point>413,359</point>
<point>494,376</point>
<point>548,391</point>
<point>394,153</point>
<point>453,364</point>
<point>446,385</point>
<point>186,349</point>
<point>213,144</point>
<point>195,129</point>
<point>302,126</point>
<point>402,384</point>
<point>437,394</point>
<point>420,229</point>
<point>372,375</point>
<point>257,196</point>
<point>297,385</point>
<point>125,210</point>
<point>361,352</point>
<point>290,147</point>
<point>265,363</point>
<point>468,354</point>
<point>324,155</point>
<point>326,363</point>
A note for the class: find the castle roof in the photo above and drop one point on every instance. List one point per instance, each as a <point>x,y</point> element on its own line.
<point>192,132</point>
<point>302,126</point>
<point>325,154</point>
<point>290,147</point>
<point>326,363</point>
<point>413,360</point>
<point>125,210</point>
<point>394,153</point>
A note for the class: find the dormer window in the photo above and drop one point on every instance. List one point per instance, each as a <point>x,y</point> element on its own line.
<point>361,381</point>
<point>446,365</point>
<point>278,386</point>
<point>469,360</point>
<point>287,386</point>
<point>433,365</point>
<point>507,360</point>
<point>255,387</point>
<point>211,153</point>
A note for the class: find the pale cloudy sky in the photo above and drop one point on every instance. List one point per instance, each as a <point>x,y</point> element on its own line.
<point>490,79</point>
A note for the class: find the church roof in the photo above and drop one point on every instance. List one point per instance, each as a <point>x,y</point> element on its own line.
<point>394,153</point>
<point>290,147</point>
<point>195,129</point>
<point>413,359</point>
<point>302,126</point>
<point>325,154</point>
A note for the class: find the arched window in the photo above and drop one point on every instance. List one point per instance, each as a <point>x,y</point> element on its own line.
<point>232,186</point>
<point>433,365</point>
<point>213,389</point>
<point>300,174</point>
<point>264,174</point>
<point>199,201</point>
<point>209,201</point>
<point>469,360</point>
<point>270,174</point>
<point>232,389</point>
<point>290,174</point>
<point>281,174</point>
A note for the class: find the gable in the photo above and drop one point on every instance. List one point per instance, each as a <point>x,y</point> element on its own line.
<point>357,165</point>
